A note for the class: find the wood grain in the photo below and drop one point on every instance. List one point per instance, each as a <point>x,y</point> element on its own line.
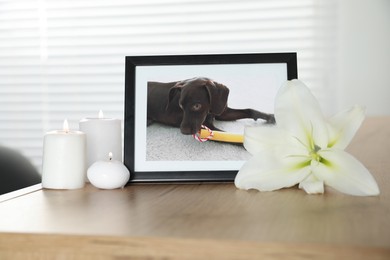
<point>34,247</point>
<point>217,217</point>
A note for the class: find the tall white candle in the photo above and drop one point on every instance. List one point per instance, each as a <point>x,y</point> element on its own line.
<point>64,159</point>
<point>104,135</point>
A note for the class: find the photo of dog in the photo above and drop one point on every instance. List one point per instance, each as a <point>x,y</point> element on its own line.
<point>188,104</point>
<point>175,102</point>
<point>187,114</point>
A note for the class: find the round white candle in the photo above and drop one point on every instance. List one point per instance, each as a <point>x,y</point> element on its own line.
<point>108,174</point>
<point>104,135</point>
<point>64,159</point>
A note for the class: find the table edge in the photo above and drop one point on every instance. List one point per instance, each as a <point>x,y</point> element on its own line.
<point>21,192</point>
<point>112,247</point>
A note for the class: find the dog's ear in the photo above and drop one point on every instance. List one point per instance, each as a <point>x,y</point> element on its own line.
<point>218,94</point>
<point>173,92</point>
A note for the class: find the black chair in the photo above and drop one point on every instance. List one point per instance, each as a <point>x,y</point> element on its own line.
<point>16,171</point>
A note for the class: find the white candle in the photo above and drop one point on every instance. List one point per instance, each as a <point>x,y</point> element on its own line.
<point>104,135</point>
<point>64,159</point>
<point>108,174</point>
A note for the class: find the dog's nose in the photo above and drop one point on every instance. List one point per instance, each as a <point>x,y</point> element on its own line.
<point>188,130</point>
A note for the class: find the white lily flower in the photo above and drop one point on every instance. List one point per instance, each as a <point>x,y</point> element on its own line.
<point>305,148</point>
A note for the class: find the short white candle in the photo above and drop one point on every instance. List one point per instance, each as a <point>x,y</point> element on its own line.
<point>104,135</point>
<point>64,159</point>
<point>108,174</point>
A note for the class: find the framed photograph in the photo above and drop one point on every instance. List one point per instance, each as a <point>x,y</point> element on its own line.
<point>169,98</point>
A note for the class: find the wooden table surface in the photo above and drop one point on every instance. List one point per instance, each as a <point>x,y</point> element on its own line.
<point>206,221</point>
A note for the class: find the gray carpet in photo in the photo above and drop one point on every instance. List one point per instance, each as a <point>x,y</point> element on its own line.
<point>165,143</point>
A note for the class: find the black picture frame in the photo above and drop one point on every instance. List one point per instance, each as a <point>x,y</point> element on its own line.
<point>139,68</point>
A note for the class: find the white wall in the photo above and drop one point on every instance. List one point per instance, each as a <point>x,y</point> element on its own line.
<point>65,59</point>
<point>364,55</point>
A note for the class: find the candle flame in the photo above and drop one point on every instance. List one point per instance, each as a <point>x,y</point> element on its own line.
<point>110,156</point>
<point>65,126</point>
<point>100,114</point>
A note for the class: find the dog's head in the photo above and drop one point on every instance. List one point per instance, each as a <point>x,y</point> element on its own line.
<point>198,97</point>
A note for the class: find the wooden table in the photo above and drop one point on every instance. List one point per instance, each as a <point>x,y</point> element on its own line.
<point>206,221</point>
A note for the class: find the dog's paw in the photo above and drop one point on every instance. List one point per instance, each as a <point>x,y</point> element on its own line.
<point>271,119</point>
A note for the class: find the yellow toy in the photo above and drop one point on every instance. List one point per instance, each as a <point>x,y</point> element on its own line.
<point>207,134</point>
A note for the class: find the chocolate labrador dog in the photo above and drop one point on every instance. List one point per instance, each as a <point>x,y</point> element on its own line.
<point>191,103</point>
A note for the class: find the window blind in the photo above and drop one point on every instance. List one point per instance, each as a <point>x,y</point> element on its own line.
<point>65,58</point>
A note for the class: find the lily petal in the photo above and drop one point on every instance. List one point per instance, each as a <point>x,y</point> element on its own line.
<point>344,125</point>
<point>265,172</point>
<point>260,138</point>
<point>344,173</point>
<point>271,139</point>
<point>312,185</point>
<point>298,111</point>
